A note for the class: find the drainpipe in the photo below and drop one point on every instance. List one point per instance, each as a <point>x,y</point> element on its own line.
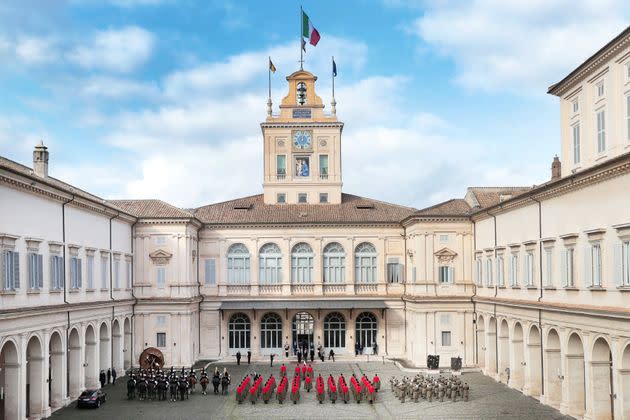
<point>135,299</point>
<point>404,288</point>
<point>540,296</point>
<point>65,297</point>
<point>111,292</point>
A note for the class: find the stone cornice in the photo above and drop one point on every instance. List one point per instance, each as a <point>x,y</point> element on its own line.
<point>602,56</point>
<point>212,226</point>
<point>301,124</point>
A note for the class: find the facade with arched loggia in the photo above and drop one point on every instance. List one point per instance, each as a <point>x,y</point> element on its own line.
<point>528,284</point>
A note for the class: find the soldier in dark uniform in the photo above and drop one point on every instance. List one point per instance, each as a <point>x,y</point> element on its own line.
<point>312,353</point>
<point>249,356</point>
<point>238,357</point>
<point>114,374</point>
<point>109,376</point>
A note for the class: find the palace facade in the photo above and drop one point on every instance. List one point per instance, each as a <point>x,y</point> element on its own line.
<point>529,284</point>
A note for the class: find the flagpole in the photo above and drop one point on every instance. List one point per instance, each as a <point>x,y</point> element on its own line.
<point>332,69</point>
<point>269,71</point>
<point>301,29</point>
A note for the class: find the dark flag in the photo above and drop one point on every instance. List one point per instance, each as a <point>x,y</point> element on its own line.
<point>334,68</point>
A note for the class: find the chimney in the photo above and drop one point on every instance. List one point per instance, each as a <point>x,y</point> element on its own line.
<point>556,168</point>
<point>40,160</point>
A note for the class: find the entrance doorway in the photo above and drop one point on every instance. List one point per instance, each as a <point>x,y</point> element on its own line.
<point>303,326</point>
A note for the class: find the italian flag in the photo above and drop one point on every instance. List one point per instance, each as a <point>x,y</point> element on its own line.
<point>309,31</point>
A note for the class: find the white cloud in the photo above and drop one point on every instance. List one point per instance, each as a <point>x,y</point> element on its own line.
<point>116,88</point>
<point>519,46</point>
<point>118,50</point>
<point>35,50</point>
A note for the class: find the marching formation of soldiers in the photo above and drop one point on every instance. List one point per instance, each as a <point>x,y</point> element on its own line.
<point>150,384</point>
<point>429,388</point>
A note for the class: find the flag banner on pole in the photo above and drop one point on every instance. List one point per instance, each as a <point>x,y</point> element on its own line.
<point>271,66</point>
<point>303,45</point>
<point>334,68</point>
<point>309,31</point>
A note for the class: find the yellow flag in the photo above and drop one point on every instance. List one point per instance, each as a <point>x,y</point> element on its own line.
<point>272,67</point>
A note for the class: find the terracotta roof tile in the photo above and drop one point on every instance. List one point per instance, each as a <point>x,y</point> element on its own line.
<point>253,210</point>
<point>482,197</point>
<point>151,209</point>
<point>453,207</point>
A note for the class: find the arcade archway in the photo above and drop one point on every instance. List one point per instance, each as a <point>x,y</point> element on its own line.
<point>303,326</point>
<point>575,376</point>
<point>553,370</point>
<point>9,381</point>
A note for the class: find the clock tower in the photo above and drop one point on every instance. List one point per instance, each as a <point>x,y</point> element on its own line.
<point>302,148</point>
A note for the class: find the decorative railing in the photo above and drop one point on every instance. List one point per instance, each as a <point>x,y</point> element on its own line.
<point>334,289</point>
<point>365,288</point>
<point>238,289</point>
<point>270,289</point>
<point>302,289</point>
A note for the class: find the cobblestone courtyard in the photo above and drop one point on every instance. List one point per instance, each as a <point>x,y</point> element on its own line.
<point>488,399</point>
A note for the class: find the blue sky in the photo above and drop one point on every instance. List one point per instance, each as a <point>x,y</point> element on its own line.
<point>163,99</point>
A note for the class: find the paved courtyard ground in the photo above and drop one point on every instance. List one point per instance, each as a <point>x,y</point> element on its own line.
<point>488,400</point>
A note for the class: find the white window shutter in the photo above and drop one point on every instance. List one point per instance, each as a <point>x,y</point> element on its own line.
<point>3,270</point>
<point>79,274</point>
<point>451,274</point>
<point>16,270</point>
<point>40,271</point>
<point>588,266</point>
<point>618,265</point>
<point>564,269</point>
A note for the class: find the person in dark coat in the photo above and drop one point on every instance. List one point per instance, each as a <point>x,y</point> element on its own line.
<point>238,357</point>
<point>114,374</point>
<point>271,356</point>
<point>249,356</point>
<point>102,378</point>
<point>312,354</point>
<point>109,376</point>
<point>331,354</point>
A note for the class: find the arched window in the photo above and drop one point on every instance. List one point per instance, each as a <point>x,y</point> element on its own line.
<point>302,263</point>
<point>238,264</point>
<point>270,260</point>
<point>366,331</point>
<point>334,331</point>
<point>239,329</point>
<point>334,263</point>
<point>365,263</point>
<point>270,331</point>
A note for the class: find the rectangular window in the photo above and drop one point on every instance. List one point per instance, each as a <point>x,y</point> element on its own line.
<point>576,105</point>
<point>567,267</point>
<point>323,166</point>
<point>529,269</point>
<point>129,274</point>
<point>600,89</point>
<point>161,277</point>
<point>323,197</point>
<point>488,272</point>
<point>628,116</point>
<point>478,272</point>
<point>446,338</point>
<point>104,264</point>
<point>281,198</point>
<point>90,271</point>
<point>116,274</point>
<point>35,271</point>
<point>514,270</point>
<point>160,239</point>
<point>210,271</point>
<point>281,166</point>
<point>500,271</point>
<point>11,270</point>
<point>302,198</point>
<point>160,340</point>
<point>394,272</point>
<point>160,320</point>
<point>56,272</point>
<point>549,267</point>
<point>601,131</point>
<point>596,256</point>
<point>75,273</point>
<point>576,144</point>
<point>413,274</point>
<point>443,238</point>
<point>445,274</point>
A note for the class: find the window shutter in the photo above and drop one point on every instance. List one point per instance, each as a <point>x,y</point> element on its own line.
<point>79,274</point>
<point>40,270</point>
<point>3,270</point>
<point>16,270</point>
<point>618,265</point>
<point>564,269</point>
<point>588,266</point>
<point>210,271</point>
<point>451,274</point>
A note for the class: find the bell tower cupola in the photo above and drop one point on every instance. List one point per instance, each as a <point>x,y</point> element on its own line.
<point>302,148</point>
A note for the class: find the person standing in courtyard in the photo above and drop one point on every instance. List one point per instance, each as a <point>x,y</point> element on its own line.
<point>102,378</point>
<point>109,376</point>
<point>286,349</point>
<point>271,356</point>
<point>238,358</point>
<point>114,374</point>
<point>312,353</point>
<point>249,357</point>
<point>331,355</point>
<point>374,348</point>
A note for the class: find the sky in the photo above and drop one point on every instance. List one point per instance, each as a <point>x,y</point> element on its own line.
<point>164,98</point>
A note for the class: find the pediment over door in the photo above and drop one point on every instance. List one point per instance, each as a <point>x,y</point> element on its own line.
<point>445,255</point>
<point>160,257</point>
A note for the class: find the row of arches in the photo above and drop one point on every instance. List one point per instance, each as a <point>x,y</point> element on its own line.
<point>55,371</point>
<point>573,372</point>
<point>302,263</point>
<point>302,329</point>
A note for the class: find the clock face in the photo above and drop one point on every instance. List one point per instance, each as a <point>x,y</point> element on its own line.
<point>302,139</point>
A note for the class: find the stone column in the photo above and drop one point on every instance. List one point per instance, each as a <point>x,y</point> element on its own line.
<point>285,248</point>
<point>351,333</point>
<point>350,274</point>
<point>254,268</point>
<point>23,379</point>
<point>318,271</point>
<point>46,392</point>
